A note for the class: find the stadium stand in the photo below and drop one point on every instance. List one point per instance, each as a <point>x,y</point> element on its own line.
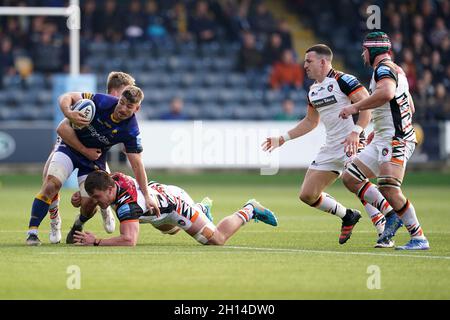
<point>216,56</point>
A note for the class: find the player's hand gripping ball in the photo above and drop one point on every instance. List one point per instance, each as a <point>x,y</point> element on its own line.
<point>87,108</point>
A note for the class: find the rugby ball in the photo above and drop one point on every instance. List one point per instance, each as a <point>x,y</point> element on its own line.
<point>87,107</point>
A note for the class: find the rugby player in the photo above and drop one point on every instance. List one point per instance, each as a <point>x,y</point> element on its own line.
<point>177,211</point>
<point>394,142</point>
<point>116,82</point>
<point>114,122</point>
<point>331,91</point>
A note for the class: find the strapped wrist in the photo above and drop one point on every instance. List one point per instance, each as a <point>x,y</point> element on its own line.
<point>358,129</point>
<point>286,137</point>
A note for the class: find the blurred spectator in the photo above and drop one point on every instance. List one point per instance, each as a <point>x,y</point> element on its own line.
<point>287,74</point>
<point>262,21</point>
<point>239,19</point>
<point>6,59</point>
<point>441,103</point>
<point>288,112</point>
<point>444,49</point>
<point>176,111</point>
<point>111,17</point>
<point>135,21</point>
<point>250,58</point>
<point>273,49</point>
<point>439,33</point>
<point>88,19</point>
<point>156,28</point>
<point>436,67</point>
<point>285,34</point>
<point>446,80</point>
<point>410,69</point>
<point>202,24</point>
<point>178,22</point>
<point>48,53</point>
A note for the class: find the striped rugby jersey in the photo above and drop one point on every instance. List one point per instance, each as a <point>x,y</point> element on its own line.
<point>394,118</point>
<point>329,97</point>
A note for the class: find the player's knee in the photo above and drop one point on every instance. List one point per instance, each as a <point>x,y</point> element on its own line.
<point>51,186</point>
<point>308,197</point>
<point>349,182</point>
<point>209,235</point>
<point>217,240</point>
<point>390,187</point>
<point>130,241</point>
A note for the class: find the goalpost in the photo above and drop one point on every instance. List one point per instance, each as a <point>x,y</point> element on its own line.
<point>73,24</point>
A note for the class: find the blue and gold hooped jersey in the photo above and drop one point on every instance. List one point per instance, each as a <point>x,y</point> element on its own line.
<point>104,132</point>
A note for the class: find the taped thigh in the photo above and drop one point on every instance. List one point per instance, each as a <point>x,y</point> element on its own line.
<point>81,180</point>
<point>171,231</point>
<point>205,233</point>
<point>61,166</point>
<point>355,172</point>
<point>389,182</point>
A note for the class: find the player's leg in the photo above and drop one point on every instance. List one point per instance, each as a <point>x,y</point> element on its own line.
<point>356,178</point>
<point>55,218</point>
<point>109,222</point>
<point>205,232</point>
<point>390,181</point>
<point>88,208</point>
<point>312,193</point>
<point>205,205</point>
<point>59,169</point>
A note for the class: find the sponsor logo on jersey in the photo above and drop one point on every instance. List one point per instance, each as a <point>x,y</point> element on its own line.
<point>385,152</point>
<point>330,88</point>
<point>324,102</point>
<point>181,223</point>
<point>350,80</point>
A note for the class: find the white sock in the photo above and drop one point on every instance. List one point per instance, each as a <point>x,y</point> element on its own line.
<point>328,204</point>
<point>32,231</point>
<point>378,219</point>
<point>408,215</point>
<point>246,213</point>
<point>372,195</point>
<point>53,209</point>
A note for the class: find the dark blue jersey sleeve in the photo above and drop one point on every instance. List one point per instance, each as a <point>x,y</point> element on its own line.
<point>348,84</point>
<point>383,71</point>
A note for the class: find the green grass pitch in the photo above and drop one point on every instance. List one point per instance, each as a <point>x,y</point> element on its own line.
<point>299,259</point>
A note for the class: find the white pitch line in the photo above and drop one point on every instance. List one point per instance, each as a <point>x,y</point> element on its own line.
<point>223,250</point>
<point>338,252</point>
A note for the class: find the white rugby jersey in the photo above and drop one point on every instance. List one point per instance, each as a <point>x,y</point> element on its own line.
<point>329,97</point>
<point>394,118</point>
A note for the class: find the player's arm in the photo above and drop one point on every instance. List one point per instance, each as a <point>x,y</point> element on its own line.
<point>306,125</point>
<point>68,135</point>
<point>66,101</point>
<point>384,92</point>
<point>129,233</point>
<point>386,83</point>
<point>351,142</point>
<point>411,104</point>
<point>137,165</point>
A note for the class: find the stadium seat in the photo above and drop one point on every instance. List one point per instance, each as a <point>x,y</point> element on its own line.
<point>235,80</point>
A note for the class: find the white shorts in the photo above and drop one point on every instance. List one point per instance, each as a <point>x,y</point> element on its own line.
<point>381,150</point>
<point>186,215</point>
<point>331,158</point>
<point>61,166</point>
